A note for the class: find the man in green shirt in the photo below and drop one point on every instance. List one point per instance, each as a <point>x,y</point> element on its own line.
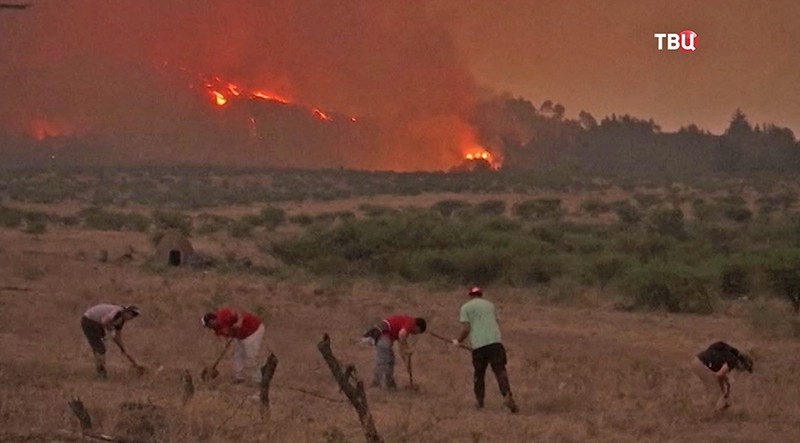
<point>479,323</point>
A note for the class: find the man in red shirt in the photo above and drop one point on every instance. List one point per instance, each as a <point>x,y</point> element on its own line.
<point>391,329</point>
<point>247,331</point>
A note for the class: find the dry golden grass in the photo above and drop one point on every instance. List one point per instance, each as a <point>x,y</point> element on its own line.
<point>580,373</point>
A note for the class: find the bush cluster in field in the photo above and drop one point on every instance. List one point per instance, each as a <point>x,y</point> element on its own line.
<point>658,259</point>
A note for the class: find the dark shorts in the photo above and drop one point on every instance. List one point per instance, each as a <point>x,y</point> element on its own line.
<point>94,333</point>
<point>493,354</point>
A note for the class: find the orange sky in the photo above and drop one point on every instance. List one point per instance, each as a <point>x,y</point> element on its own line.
<point>413,70</point>
<point>601,56</point>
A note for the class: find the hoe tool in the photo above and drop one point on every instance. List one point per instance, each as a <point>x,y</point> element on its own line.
<point>210,373</point>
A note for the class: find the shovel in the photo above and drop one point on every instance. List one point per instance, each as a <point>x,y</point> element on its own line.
<point>210,373</point>
<point>412,386</point>
<point>140,370</point>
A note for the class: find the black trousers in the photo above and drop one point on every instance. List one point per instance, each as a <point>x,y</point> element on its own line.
<point>493,355</point>
<point>94,333</point>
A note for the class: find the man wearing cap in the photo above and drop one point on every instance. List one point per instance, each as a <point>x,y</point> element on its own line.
<point>479,322</point>
<point>101,318</point>
<point>248,331</point>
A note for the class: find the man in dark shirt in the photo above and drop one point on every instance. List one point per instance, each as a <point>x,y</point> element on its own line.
<point>713,366</point>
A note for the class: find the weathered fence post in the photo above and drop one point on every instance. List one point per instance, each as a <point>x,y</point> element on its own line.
<point>352,387</point>
<point>267,372</point>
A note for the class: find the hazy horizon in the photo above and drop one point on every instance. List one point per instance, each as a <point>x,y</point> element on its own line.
<point>408,79</point>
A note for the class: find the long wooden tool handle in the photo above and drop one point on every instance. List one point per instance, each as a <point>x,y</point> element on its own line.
<point>445,339</point>
<point>222,354</point>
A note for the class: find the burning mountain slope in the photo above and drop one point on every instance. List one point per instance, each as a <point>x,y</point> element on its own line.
<point>105,76</point>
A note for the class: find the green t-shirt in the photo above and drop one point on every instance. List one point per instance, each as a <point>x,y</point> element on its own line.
<point>482,319</point>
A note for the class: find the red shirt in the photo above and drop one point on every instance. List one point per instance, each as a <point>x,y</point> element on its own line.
<point>226,318</point>
<point>397,323</point>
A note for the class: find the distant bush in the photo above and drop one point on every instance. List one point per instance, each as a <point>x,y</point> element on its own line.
<point>595,207</point>
<point>211,223</point>
<point>539,208</point>
<point>35,228</point>
<point>647,200</point>
<point>669,287</point>
<point>607,268</point>
<point>668,221</point>
<point>490,207</point>
<point>272,217</point>
<point>645,247</point>
<point>704,211</point>
<point>721,238</point>
<point>166,220</point>
<point>376,210</point>
<point>10,218</point>
<point>735,278</point>
<point>449,207</point>
<point>301,219</point>
<point>737,213</point>
<point>241,228</point>
<point>782,270</point>
<point>423,246</point>
<point>105,220</point>
<point>626,212</point>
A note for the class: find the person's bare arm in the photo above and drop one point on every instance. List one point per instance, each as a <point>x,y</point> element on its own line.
<point>402,339</point>
<point>108,320</point>
<point>465,328</point>
<point>116,335</point>
<point>722,379</point>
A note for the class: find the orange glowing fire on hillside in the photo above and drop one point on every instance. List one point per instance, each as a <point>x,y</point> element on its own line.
<point>41,129</point>
<point>482,155</point>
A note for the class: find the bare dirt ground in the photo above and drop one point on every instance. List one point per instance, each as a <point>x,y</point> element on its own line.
<point>580,373</point>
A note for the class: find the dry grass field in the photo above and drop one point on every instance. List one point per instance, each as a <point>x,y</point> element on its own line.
<point>581,371</point>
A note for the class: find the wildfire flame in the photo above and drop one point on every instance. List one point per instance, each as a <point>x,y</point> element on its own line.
<point>222,92</point>
<point>42,129</point>
<point>320,115</point>
<point>481,154</point>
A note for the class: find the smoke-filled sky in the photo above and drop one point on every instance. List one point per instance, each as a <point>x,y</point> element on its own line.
<point>128,72</point>
<point>601,56</point>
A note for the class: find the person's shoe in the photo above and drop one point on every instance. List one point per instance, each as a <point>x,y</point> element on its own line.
<point>511,404</point>
<point>391,386</point>
<point>101,373</point>
<point>478,404</point>
<point>238,381</point>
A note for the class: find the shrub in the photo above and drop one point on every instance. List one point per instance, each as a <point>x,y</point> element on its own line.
<point>626,212</point>
<point>782,270</point>
<point>606,268</point>
<point>673,288</point>
<point>272,217</point>
<point>704,211</point>
<point>166,220</point>
<point>376,210</point>
<point>539,208</point>
<point>669,222</point>
<point>35,228</point>
<point>240,228</point>
<point>104,220</point>
<point>735,278</point>
<point>737,213</point>
<point>647,200</point>
<point>301,219</point>
<point>490,207</point>
<point>595,207</point>
<point>10,218</point>
<point>211,223</point>
<point>449,207</point>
